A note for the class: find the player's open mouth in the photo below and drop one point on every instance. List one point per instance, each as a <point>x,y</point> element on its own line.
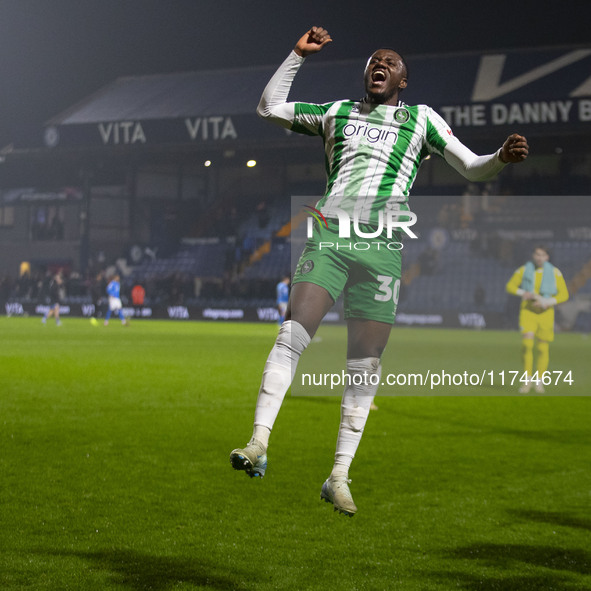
<point>378,76</point>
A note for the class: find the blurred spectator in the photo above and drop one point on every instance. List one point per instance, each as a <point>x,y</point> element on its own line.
<point>263,214</point>
<point>47,223</point>
<point>5,288</point>
<point>138,294</point>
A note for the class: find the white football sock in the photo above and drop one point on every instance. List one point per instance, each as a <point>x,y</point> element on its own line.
<point>277,376</point>
<point>359,393</point>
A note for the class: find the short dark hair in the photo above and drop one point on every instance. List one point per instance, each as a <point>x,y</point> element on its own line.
<point>542,247</point>
<point>405,64</point>
<point>401,59</point>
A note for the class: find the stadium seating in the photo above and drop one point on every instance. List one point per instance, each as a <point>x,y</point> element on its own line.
<point>466,271</point>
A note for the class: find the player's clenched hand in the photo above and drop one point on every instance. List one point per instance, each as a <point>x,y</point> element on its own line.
<point>515,149</point>
<point>313,41</point>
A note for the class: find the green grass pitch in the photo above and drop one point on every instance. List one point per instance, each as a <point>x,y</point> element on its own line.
<point>114,471</point>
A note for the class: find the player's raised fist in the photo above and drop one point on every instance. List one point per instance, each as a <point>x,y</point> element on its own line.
<point>312,42</point>
<point>515,149</point>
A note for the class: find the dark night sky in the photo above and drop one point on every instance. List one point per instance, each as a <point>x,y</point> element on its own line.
<point>53,53</point>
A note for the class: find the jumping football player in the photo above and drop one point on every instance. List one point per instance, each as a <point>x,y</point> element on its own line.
<point>373,148</point>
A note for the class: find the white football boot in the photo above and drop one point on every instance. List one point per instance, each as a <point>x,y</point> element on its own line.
<point>336,491</point>
<point>252,459</point>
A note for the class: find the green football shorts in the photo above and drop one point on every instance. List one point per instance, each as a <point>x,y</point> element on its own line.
<point>367,270</point>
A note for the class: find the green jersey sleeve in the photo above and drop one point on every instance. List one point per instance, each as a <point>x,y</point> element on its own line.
<point>438,133</point>
<point>309,118</point>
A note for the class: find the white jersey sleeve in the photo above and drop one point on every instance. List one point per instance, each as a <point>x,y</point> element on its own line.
<point>472,166</point>
<point>300,117</point>
<point>441,140</point>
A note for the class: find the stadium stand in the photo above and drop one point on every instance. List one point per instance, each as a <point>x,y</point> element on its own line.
<point>132,156</point>
<point>461,261</point>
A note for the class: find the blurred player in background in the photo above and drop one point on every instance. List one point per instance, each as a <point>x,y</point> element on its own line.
<point>541,286</point>
<point>283,297</point>
<point>98,286</point>
<point>373,149</point>
<point>56,290</point>
<point>115,306</point>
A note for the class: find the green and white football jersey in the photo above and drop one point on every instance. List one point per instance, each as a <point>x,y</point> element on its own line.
<point>372,152</point>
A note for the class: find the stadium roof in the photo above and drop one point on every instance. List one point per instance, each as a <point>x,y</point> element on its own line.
<point>533,91</point>
<point>185,94</point>
<point>203,94</point>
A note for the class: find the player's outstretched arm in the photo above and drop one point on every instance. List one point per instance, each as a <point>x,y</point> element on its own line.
<point>273,104</point>
<point>482,168</point>
<point>312,41</point>
<point>515,149</point>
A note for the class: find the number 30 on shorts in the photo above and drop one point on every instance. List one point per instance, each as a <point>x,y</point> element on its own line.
<point>387,291</point>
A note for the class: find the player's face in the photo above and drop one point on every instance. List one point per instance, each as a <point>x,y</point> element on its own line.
<point>539,257</point>
<point>385,76</point>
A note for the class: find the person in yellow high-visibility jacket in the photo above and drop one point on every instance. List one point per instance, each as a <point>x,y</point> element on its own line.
<point>541,286</point>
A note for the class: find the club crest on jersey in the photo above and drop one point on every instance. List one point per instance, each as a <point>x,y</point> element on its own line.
<point>307,266</point>
<point>402,116</point>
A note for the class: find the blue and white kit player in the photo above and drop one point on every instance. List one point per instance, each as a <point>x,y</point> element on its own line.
<point>115,306</point>
<point>282,297</point>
